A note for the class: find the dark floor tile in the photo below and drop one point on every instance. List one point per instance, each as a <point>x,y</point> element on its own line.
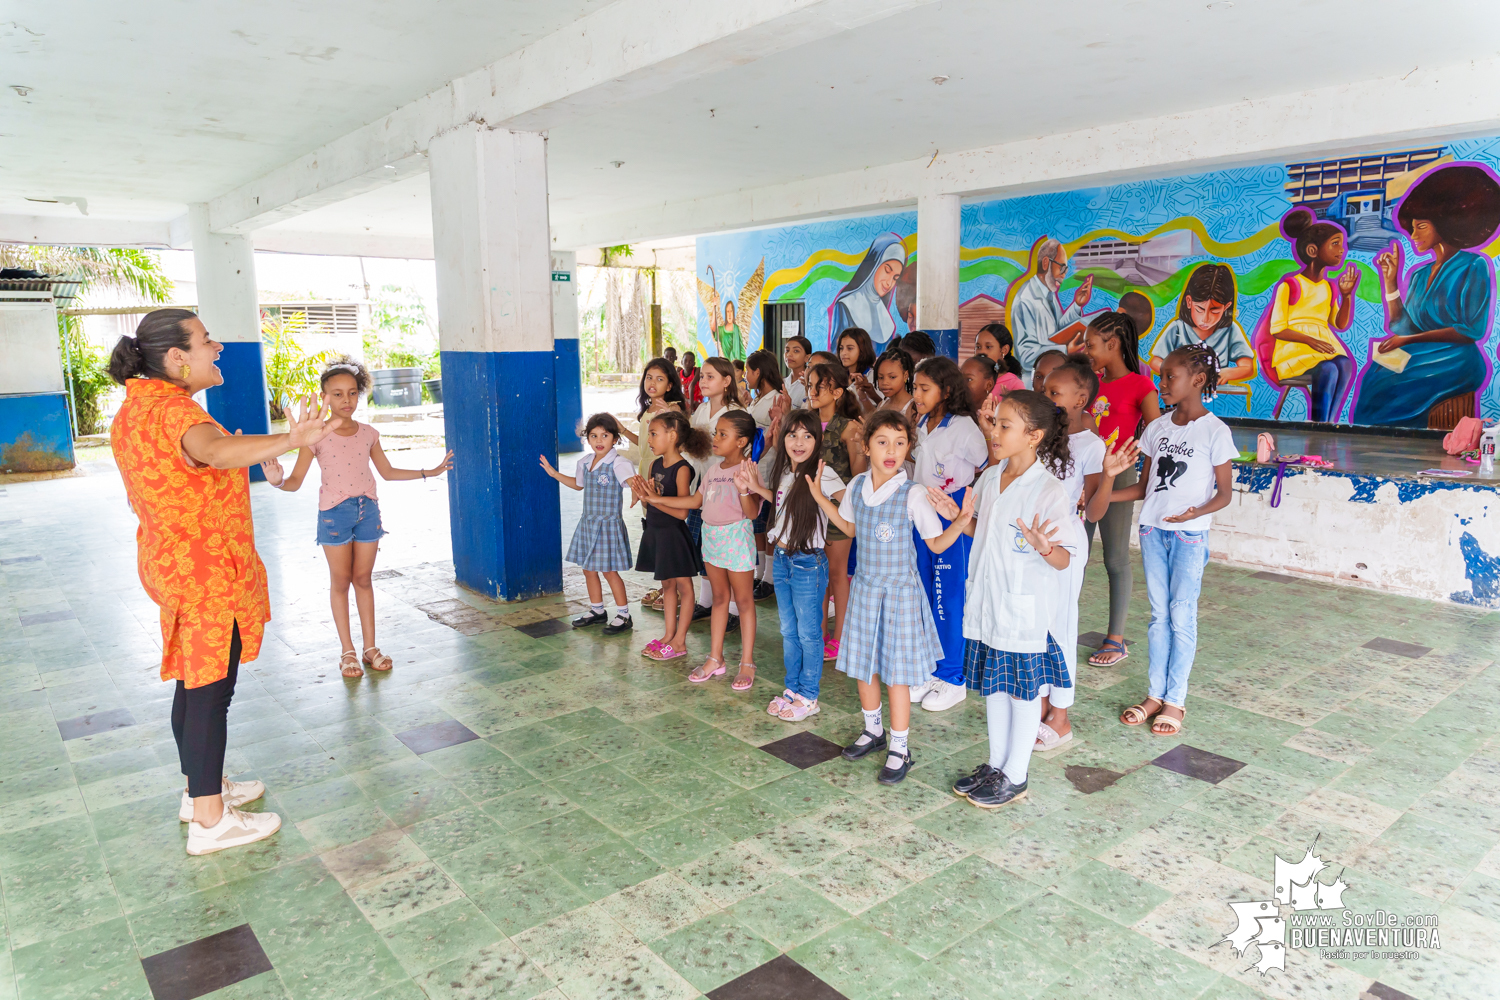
<point>551,626</point>
<point>1394,646</point>
<point>1273,577</point>
<point>385,574</point>
<point>47,616</point>
<point>1089,780</point>
<point>779,979</point>
<point>1197,763</point>
<point>95,723</point>
<point>1380,991</point>
<point>803,749</point>
<point>436,735</point>
<point>1093,640</point>
<point>20,559</point>
<point>206,965</point>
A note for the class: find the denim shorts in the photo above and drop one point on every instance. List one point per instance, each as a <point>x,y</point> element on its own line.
<point>355,520</point>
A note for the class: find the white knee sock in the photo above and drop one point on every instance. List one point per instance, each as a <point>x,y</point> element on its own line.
<point>765,566</point>
<point>997,720</point>
<point>705,592</point>
<point>734,608</point>
<point>1025,717</point>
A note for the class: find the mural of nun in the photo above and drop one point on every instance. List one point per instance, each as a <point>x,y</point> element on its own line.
<point>865,301</point>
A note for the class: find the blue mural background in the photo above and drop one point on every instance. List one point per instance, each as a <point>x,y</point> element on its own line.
<point>1239,207</point>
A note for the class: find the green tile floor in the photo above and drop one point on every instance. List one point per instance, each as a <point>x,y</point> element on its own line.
<point>617,832</point>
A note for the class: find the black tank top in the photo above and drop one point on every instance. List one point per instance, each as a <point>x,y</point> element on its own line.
<point>666,484</point>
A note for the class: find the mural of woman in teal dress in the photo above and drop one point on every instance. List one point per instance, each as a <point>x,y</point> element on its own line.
<point>1440,313</point>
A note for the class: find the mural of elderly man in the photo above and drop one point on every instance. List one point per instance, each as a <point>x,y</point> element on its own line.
<point>1036,314</point>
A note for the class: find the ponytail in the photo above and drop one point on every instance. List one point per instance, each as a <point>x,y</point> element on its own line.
<point>1039,414</point>
<point>835,373</point>
<point>690,440</point>
<point>145,354</point>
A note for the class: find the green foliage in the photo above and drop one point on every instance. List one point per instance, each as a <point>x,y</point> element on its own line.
<point>610,254</point>
<point>401,333</point>
<point>91,382</point>
<point>593,342</point>
<point>290,371</point>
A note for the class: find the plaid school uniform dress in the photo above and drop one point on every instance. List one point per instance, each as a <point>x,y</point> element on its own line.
<point>888,628</point>
<point>600,542</point>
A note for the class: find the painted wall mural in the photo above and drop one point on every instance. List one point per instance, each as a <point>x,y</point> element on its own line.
<point>1357,290</point>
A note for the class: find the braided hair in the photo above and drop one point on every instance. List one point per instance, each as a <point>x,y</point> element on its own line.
<point>1119,326</point>
<point>901,358</point>
<point>1200,359</point>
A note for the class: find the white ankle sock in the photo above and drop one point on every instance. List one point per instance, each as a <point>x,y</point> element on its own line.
<point>597,609</point>
<point>898,740</point>
<point>872,722</point>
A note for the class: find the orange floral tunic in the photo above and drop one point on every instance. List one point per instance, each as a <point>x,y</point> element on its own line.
<point>196,542</point>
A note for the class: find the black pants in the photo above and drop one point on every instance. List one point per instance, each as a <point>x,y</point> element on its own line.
<point>200,722</point>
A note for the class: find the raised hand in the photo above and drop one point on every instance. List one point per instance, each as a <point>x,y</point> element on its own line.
<point>815,483</point>
<point>1348,279</point>
<point>312,424</point>
<point>746,477</point>
<point>546,465</point>
<point>272,470</point>
<point>966,512</point>
<point>1121,457</point>
<point>987,413</point>
<point>943,503</point>
<point>447,463</point>
<point>1388,263</point>
<point>1038,535</point>
<point>1085,291</point>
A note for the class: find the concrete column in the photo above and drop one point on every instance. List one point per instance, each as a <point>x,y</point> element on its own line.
<point>228,305</point>
<point>937,269</point>
<point>491,243</point>
<point>565,347</point>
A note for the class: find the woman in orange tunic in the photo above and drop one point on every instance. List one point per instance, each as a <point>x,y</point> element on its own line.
<point>186,481</point>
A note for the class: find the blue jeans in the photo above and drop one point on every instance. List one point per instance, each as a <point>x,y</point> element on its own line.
<point>1174,562</point>
<point>801,581</point>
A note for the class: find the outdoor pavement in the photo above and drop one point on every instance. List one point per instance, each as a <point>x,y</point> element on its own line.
<point>606,829</point>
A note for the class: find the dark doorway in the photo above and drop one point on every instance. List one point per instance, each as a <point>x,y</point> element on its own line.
<point>776,317</point>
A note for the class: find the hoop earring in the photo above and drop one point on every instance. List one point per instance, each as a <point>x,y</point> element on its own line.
<point>185,372</point>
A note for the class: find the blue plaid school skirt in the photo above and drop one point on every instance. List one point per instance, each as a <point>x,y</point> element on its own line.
<point>990,671</point>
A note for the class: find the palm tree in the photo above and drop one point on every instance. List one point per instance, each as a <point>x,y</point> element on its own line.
<point>118,269</point>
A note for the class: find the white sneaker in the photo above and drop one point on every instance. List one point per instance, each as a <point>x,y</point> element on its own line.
<point>922,690</point>
<point>236,793</point>
<point>944,696</point>
<point>234,829</point>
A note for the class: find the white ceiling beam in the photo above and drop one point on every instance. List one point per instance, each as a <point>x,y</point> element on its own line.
<point>1390,112</point>
<point>47,230</point>
<point>343,244</point>
<point>623,52</point>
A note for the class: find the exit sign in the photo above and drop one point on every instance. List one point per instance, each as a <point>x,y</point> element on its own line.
<point>562,276</point>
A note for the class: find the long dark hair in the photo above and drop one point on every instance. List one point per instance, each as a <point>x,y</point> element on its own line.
<point>674,385</point>
<point>837,374</point>
<point>1001,333</point>
<point>1209,282</point>
<point>799,515</point>
<point>690,440</point>
<point>861,340</point>
<point>1119,326</point>
<point>725,367</point>
<point>145,354</point>
<point>1040,413</point>
<point>763,363</point>
<point>948,377</point>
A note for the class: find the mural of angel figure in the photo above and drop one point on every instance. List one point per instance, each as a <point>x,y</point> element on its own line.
<point>865,301</point>
<point>731,333</point>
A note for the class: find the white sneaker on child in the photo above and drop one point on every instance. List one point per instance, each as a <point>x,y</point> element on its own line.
<point>944,696</point>
<point>236,793</point>
<point>234,829</point>
<point>922,690</point>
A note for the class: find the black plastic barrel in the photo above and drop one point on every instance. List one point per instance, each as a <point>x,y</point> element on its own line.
<point>396,387</point>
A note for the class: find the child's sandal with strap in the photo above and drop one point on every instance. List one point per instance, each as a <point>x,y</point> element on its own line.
<point>379,661</point>
<point>779,702</point>
<point>705,672</point>
<point>349,665</point>
<point>799,709</point>
<point>742,682</point>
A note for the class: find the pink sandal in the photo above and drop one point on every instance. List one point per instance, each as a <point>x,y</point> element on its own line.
<point>666,651</point>
<point>799,709</point>
<point>779,702</point>
<point>741,682</point>
<point>702,673</point>
<point>651,647</point>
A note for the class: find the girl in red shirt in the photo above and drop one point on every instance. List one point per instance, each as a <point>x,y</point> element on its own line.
<point>1126,402</point>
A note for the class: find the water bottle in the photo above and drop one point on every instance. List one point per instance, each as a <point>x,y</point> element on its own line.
<point>1487,451</point>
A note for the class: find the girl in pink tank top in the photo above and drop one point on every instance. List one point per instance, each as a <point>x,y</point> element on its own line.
<point>348,514</point>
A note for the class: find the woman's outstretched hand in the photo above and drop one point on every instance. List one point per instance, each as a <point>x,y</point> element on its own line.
<point>312,424</point>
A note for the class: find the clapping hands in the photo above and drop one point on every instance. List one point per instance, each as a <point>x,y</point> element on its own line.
<point>1121,457</point>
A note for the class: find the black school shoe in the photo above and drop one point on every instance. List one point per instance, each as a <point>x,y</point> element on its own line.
<point>763,590</point>
<point>856,750</point>
<point>997,791</point>
<point>733,625</point>
<point>963,786</point>
<point>895,775</point>
<point>592,618</point>
<point>701,611</point>
<point>622,623</point>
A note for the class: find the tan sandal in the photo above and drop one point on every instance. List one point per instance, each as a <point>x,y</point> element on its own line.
<point>379,661</point>
<point>741,682</point>
<point>349,665</point>
<point>1173,725</point>
<point>1137,715</point>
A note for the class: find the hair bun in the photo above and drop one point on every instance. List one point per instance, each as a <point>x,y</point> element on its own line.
<point>1295,222</point>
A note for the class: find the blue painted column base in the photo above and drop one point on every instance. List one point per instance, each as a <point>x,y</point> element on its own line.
<point>240,403</point>
<point>500,413</point>
<point>946,342</point>
<point>569,394</point>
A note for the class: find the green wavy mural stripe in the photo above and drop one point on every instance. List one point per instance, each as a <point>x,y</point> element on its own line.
<point>1005,270</point>
<point>1250,283</point>
<point>817,274</point>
